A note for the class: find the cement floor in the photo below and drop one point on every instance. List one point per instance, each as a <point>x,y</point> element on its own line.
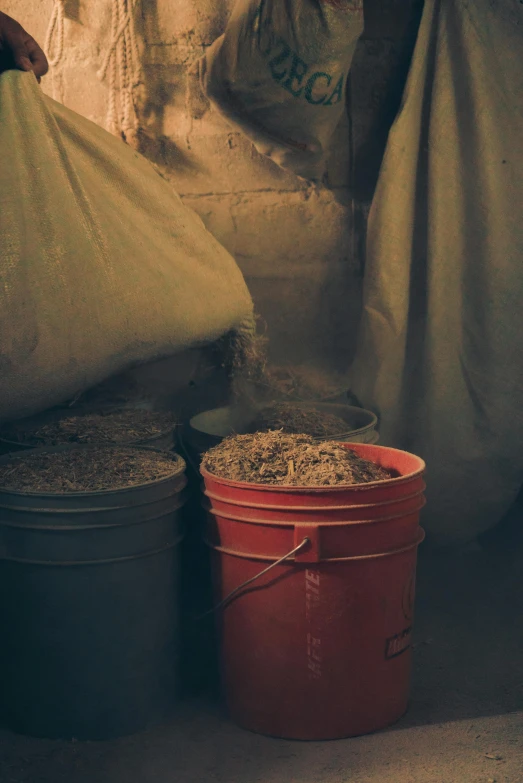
<point>465,722</point>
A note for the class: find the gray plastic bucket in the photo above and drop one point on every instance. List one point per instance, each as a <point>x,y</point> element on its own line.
<point>89,607</point>
<point>208,429</point>
<point>165,441</point>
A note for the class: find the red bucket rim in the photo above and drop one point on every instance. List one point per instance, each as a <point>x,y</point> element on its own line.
<point>293,489</point>
<point>263,506</point>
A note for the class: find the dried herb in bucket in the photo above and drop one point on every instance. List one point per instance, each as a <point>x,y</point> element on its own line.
<point>293,420</point>
<point>89,469</point>
<point>289,460</point>
<point>130,425</point>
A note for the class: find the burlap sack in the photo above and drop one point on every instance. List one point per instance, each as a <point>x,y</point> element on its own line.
<point>439,355</point>
<point>102,267</point>
<point>279,73</point>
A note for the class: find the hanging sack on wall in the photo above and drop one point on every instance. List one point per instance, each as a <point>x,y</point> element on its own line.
<point>102,267</point>
<point>279,74</point>
<point>439,354</point>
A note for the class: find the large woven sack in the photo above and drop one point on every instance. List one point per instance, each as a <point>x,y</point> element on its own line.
<point>439,354</point>
<point>102,267</point>
<point>279,73</point>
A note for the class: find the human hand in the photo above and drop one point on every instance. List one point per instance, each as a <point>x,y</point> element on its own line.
<point>19,50</point>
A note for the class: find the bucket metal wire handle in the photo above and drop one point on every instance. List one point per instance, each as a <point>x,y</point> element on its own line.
<point>227,600</point>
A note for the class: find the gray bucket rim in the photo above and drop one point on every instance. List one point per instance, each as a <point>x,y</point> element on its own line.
<point>181,467</point>
<point>182,497</point>
<point>94,563</point>
<point>373,419</point>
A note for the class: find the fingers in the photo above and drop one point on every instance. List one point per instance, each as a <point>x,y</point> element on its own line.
<point>18,49</point>
<point>37,59</point>
<point>20,57</point>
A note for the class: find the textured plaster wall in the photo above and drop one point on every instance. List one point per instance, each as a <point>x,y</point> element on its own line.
<point>300,248</point>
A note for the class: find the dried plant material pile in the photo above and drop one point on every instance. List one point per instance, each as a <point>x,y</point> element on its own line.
<point>86,470</point>
<point>123,426</point>
<point>248,356</point>
<point>243,354</point>
<point>289,460</point>
<point>299,421</point>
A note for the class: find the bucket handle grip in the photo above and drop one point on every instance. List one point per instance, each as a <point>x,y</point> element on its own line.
<point>227,600</point>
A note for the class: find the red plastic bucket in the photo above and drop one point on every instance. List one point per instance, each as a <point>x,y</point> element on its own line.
<point>319,646</point>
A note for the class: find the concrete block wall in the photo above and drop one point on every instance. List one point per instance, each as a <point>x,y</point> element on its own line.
<point>300,247</point>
